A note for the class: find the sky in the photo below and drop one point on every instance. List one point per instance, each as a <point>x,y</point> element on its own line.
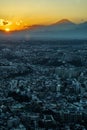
<point>18,14</point>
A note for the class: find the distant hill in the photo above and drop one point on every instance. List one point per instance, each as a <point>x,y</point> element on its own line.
<point>83,26</point>
<point>63,24</point>
<point>63,21</point>
<point>63,29</point>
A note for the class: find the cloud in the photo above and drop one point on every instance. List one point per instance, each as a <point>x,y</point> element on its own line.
<point>1,22</point>
<point>5,22</point>
<point>18,23</point>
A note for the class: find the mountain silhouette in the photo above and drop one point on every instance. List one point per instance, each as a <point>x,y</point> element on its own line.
<point>63,29</point>
<point>83,26</point>
<point>63,21</point>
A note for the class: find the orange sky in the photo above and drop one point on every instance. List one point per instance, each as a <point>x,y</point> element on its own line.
<point>18,14</point>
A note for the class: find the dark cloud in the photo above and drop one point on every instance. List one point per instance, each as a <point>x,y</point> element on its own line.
<point>5,22</point>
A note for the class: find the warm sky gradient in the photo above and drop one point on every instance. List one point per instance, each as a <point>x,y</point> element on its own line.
<point>16,14</point>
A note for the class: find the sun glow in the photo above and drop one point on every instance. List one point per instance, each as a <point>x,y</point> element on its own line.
<point>7,29</point>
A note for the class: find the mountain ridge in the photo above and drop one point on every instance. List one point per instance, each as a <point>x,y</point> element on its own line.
<point>63,21</point>
<point>64,29</point>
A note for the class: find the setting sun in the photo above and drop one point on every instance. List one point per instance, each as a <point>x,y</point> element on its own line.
<point>19,15</point>
<point>7,29</point>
